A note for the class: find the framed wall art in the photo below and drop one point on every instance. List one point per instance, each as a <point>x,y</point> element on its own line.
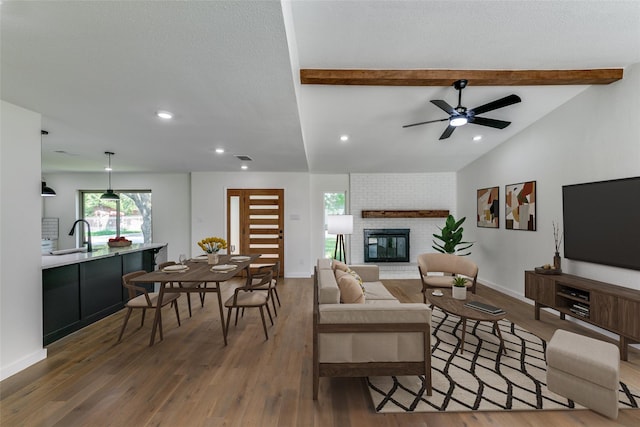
<point>520,206</point>
<point>488,207</point>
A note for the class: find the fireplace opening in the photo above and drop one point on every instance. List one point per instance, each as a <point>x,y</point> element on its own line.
<point>386,245</point>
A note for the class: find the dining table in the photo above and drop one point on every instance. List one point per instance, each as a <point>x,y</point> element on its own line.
<point>196,270</point>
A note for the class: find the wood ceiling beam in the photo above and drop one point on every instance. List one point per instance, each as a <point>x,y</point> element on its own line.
<point>601,76</point>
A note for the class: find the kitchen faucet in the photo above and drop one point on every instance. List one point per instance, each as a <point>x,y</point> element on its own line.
<point>88,242</point>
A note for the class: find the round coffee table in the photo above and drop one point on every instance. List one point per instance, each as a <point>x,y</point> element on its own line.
<point>457,307</point>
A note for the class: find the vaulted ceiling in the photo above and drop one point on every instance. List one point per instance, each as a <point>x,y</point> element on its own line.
<point>230,72</point>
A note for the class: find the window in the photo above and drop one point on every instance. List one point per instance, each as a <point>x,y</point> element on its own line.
<point>129,217</point>
<point>334,204</point>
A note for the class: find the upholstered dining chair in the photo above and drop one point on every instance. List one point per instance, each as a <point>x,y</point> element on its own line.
<point>140,298</point>
<point>184,285</point>
<point>270,287</point>
<point>445,265</point>
<point>249,296</point>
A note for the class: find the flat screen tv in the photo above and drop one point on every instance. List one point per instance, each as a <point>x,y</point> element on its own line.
<point>601,222</point>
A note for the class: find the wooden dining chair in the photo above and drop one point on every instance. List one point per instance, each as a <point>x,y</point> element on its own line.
<point>270,287</point>
<point>140,298</point>
<point>247,297</point>
<point>184,285</point>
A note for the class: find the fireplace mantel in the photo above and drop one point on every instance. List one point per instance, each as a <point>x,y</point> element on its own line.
<point>405,213</point>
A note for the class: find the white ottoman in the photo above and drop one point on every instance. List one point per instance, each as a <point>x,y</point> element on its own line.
<point>584,370</point>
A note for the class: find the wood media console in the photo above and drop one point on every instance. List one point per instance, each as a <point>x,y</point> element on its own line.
<point>610,307</point>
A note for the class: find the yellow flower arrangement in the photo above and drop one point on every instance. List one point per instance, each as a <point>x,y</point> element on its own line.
<point>212,245</point>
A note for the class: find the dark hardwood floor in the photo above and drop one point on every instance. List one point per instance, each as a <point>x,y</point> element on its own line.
<point>191,379</point>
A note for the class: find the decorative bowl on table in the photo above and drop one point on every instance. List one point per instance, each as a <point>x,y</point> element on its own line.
<point>119,242</point>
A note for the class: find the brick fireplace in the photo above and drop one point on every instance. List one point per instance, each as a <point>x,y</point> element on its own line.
<point>386,245</point>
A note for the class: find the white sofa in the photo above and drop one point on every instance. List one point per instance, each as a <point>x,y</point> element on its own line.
<point>381,337</point>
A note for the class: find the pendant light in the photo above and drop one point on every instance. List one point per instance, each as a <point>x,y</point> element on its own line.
<point>45,191</point>
<point>109,195</point>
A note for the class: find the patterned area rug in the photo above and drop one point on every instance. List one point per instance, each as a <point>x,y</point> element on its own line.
<point>481,379</point>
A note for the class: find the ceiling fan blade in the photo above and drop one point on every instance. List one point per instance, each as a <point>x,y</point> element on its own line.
<point>424,123</point>
<point>494,105</point>
<point>443,105</point>
<point>447,132</point>
<point>492,123</point>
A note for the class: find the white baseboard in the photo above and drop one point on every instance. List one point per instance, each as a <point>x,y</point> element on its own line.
<point>23,363</point>
<point>298,275</point>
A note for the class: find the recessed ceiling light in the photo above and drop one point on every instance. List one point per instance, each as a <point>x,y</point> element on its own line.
<point>477,138</point>
<point>219,150</point>
<point>344,138</point>
<point>244,167</point>
<point>165,114</point>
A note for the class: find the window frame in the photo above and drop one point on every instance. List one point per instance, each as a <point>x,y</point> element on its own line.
<point>81,210</point>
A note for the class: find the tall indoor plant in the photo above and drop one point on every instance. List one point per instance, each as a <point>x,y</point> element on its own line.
<point>450,238</point>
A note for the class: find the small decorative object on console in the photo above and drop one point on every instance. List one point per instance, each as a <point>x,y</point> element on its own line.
<point>548,269</point>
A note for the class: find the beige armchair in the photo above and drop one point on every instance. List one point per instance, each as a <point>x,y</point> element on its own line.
<point>445,265</point>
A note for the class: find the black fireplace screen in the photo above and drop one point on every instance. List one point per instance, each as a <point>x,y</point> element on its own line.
<point>386,245</point>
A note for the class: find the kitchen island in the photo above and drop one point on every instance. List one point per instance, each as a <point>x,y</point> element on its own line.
<point>83,287</point>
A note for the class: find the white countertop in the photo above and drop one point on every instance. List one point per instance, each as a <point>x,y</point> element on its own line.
<point>50,261</point>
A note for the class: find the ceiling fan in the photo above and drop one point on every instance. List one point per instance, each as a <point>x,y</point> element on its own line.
<point>460,115</point>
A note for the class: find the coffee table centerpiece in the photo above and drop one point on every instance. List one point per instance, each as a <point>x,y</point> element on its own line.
<point>483,311</point>
<point>459,288</point>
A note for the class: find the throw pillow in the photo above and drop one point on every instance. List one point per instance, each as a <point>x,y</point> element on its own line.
<point>357,277</point>
<point>339,265</point>
<point>350,290</point>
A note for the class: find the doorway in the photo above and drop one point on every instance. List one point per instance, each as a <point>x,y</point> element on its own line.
<point>255,224</point>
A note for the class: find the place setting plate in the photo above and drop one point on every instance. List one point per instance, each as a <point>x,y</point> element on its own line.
<point>200,258</point>
<point>223,268</point>
<point>177,268</point>
<point>240,258</point>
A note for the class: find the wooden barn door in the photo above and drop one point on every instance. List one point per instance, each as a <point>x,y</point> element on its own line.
<point>255,224</point>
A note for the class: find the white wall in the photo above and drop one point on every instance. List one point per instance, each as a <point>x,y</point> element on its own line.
<point>208,197</point>
<point>170,200</point>
<point>20,277</point>
<point>401,191</point>
<point>582,141</point>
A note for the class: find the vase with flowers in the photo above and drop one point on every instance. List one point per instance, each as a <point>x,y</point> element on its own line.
<point>212,245</point>
<point>557,237</point>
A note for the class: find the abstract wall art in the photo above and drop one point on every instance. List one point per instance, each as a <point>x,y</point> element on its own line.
<point>488,207</point>
<point>520,206</point>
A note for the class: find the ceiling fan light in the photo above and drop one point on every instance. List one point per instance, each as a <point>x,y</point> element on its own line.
<point>458,121</point>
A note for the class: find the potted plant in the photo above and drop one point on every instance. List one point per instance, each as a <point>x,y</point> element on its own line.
<point>451,237</point>
<point>459,288</point>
